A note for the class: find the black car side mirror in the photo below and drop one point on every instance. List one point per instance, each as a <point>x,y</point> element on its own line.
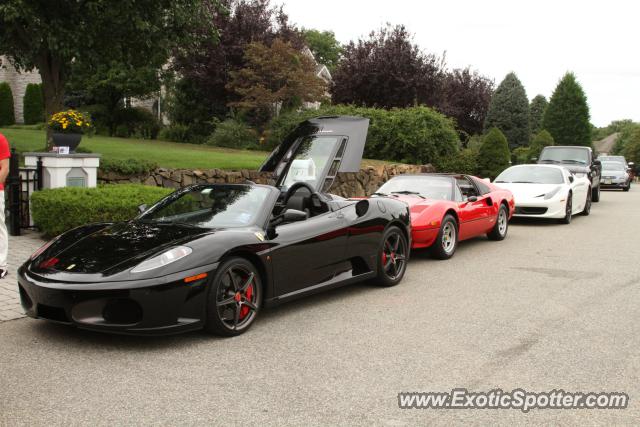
<point>294,215</point>
<point>472,199</point>
<point>597,162</point>
<point>142,208</point>
<point>571,178</point>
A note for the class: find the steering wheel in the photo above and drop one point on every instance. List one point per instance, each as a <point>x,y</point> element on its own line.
<point>295,187</point>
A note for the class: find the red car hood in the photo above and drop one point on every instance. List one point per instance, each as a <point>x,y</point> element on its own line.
<point>417,204</point>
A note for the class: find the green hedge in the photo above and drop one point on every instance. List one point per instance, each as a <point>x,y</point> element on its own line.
<point>33,104</point>
<point>7,115</point>
<point>416,135</point>
<point>233,134</point>
<point>58,210</point>
<point>127,167</point>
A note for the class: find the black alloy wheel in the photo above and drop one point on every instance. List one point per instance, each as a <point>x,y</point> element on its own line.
<point>234,298</point>
<point>394,254</point>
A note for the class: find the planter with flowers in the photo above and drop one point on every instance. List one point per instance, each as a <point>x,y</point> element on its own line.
<point>67,128</point>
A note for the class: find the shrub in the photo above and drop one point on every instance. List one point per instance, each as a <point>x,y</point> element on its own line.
<point>174,133</point>
<point>408,135</point>
<point>521,155</point>
<point>136,122</point>
<point>7,115</point>
<point>127,167</point>
<point>58,210</point>
<point>541,140</point>
<point>465,161</point>
<point>233,134</point>
<point>494,155</point>
<point>33,104</point>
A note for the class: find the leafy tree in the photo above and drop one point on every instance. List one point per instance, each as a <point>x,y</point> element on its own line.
<point>7,115</point>
<point>387,70</point>
<point>33,103</point>
<point>509,111</point>
<point>615,126</point>
<point>417,135</point>
<point>494,155</point>
<point>521,155</point>
<point>276,76</point>
<point>206,70</point>
<point>536,113</point>
<point>632,148</point>
<point>540,140</point>
<point>52,37</point>
<point>109,84</point>
<point>626,134</point>
<point>324,46</point>
<point>567,116</point>
<point>465,97</point>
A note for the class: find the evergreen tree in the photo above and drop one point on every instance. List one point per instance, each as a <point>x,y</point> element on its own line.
<point>536,113</point>
<point>509,111</point>
<point>7,116</point>
<point>494,155</point>
<point>33,104</point>
<point>567,116</point>
<point>540,140</point>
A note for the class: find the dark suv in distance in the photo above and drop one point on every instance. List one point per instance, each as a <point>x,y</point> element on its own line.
<point>579,160</point>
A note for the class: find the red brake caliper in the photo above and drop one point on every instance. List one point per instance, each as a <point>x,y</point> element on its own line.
<point>245,310</point>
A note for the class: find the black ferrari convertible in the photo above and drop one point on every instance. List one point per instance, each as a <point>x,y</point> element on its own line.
<point>211,256</point>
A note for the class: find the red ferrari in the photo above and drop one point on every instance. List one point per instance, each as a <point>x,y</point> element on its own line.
<point>448,208</point>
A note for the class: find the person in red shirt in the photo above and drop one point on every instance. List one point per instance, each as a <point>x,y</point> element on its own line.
<point>4,172</point>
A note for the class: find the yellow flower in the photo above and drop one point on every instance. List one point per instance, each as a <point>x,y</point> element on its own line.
<point>64,126</point>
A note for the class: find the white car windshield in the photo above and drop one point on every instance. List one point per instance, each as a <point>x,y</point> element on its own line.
<point>531,175</point>
<point>613,166</point>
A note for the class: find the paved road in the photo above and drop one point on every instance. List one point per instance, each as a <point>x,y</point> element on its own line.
<point>553,306</point>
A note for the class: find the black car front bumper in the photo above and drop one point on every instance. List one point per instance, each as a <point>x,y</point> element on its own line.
<point>165,305</point>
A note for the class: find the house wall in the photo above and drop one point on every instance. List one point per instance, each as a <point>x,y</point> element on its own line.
<point>18,80</point>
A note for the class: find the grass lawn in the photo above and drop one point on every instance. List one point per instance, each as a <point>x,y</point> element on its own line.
<point>165,154</point>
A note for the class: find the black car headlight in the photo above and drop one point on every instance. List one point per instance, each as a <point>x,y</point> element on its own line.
<point>166,258</point>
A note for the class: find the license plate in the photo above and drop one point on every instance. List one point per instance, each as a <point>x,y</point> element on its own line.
<point>607,181</point>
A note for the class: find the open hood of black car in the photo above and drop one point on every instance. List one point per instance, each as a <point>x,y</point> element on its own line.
<point>344,155</point>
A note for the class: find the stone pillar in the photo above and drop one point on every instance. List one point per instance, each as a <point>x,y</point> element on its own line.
<point>66,170</point>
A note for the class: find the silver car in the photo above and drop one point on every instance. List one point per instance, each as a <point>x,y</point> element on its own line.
<point>615,175</point>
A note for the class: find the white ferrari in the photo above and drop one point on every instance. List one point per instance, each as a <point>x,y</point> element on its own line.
<point>546,191</point>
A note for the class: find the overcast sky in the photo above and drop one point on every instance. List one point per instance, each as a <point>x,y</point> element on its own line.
<point>539,40</point>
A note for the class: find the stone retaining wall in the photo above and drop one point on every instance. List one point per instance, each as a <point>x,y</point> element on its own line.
<point>357,184</point>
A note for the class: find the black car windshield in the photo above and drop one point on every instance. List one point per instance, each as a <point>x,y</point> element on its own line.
<point>613,166</point>
<point>432,187</point>
<point>531,175</point>
<point>211,206</point>
<point>565,155</point>
<point>310,160</point>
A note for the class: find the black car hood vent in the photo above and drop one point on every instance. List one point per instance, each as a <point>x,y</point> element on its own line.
<point>120,244</point>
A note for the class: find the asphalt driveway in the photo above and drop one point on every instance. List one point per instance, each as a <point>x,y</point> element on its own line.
<point>553,306</point>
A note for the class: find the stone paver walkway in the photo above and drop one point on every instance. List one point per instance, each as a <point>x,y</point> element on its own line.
<point>20,248</point>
